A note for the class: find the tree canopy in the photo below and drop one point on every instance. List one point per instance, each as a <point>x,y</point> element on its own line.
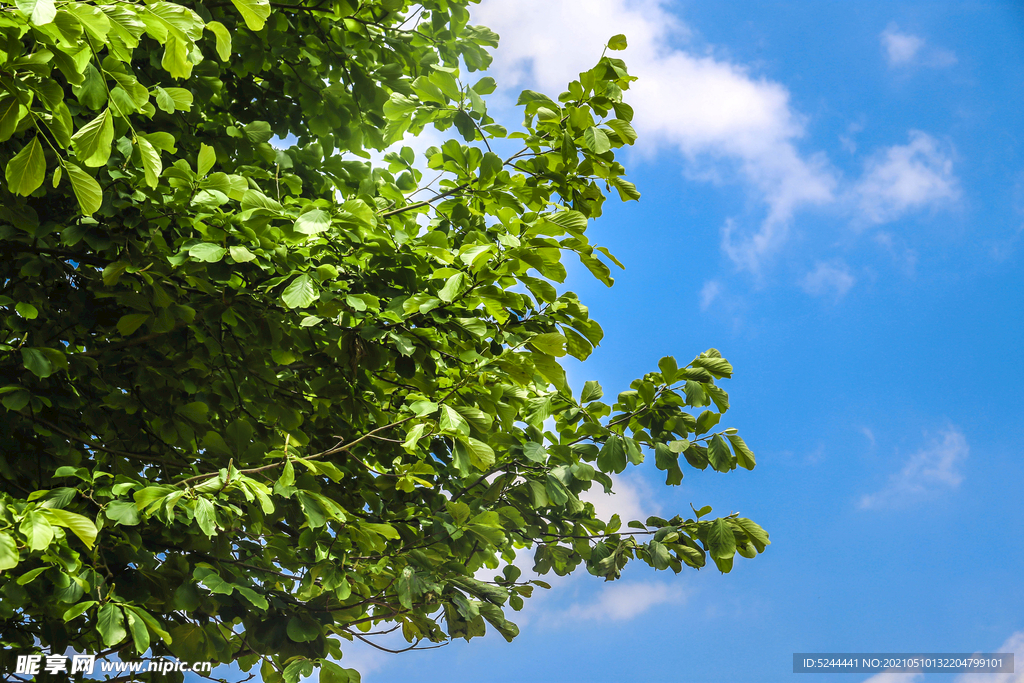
<point>263,395</point>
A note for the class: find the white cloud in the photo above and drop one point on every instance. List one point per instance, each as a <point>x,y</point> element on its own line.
<point>708,293</point>
<point>831,278</point>
<point>890,677</point>
<point>908,177</point>
<point>619,601</point>
<point>725,121</point>
<point>904,49</point>
<point>367,660</point>
<point>933,468</point>
<point>632,499</point>
<point>900,48</point>
<point>1014,644</point>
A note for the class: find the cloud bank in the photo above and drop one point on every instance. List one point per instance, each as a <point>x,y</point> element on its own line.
<point>728,124</point>
<point>905,178</point>
<point>931,469</point>
<point>722,119</point>
<point>902,49</point>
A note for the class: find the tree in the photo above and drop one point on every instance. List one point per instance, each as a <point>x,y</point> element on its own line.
<point>260,401</point>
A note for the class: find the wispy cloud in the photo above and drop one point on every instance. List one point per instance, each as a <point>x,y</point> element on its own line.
<point>904,178</point>
<point>708,293</point>
<point>619,601</point>
<point>933,468</point>
<point>832,279</point>
<point>900,48</point>
<point>1014,644</point>
<point>903,49</point>
<point>632,499</point>
<point>725,121</point>
<point>890,677</point>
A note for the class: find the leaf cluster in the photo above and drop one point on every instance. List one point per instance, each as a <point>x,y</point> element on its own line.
<point>263,399</point>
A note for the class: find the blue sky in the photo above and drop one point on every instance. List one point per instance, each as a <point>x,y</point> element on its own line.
<point>833,196</point>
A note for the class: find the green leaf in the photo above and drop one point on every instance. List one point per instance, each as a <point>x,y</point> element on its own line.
<point>300,293</point>
<point>26,311</point>
<point>195,411</point>
<point>287,474</point>
<point>93,90</point>
<point>110,624</point>
<point>303,630</point>
<point>697,456</point>
<point>669,369</point>
<point>182,98</point>
<point>592,391</point>
<point>241,254</point>
<point>8,552</point>
<point>254,598</point>
<point>481,456</point>
<point>80,526</point>
<point>550,343</point>
<point>36,362</point>
<point>719,455</point>
<point>131,322</point>
<point>719,396</point>
<point>39,12</point>
<point>596,140</point>
<point>716,365</point>
<point>453,286</point>
<point>452,422</point>
<point>757,535</point>
<point>150,622</point>
<point>612,457</point>
<point>77,610</point>
<point>175,60</point>
<point>313,222</point>
<point>721,541</point>
<point>140,634</point>
<point>667,460</point>
<point>16,400</point>
<point>87,190</point>
<point>122,512</point>
<point>695,395</point>
<point>744,456</point>
<point>164,100</point>
<point>11,113</point>
<point>27,170</point>
<point>254,12</point>
<point>332,673</point>
<point>95,22</point>
<point>617,42</point>
<point>223,39</point>
<point>29,576</point>
<point>207,158</point>
<point>535,452</point>
<point>190,643</point>
<point>549,368</point>
<point>207,252</point>
<point>151,163</point>
<point>706,421</point>
<point>205,516</point>
<point>624,130</point>
<point>633,452</point>
<point>92,141</point>
<point>37,531</point>
<point>258,131</point>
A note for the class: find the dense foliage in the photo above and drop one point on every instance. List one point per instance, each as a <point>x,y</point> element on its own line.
<point>259,401</point>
